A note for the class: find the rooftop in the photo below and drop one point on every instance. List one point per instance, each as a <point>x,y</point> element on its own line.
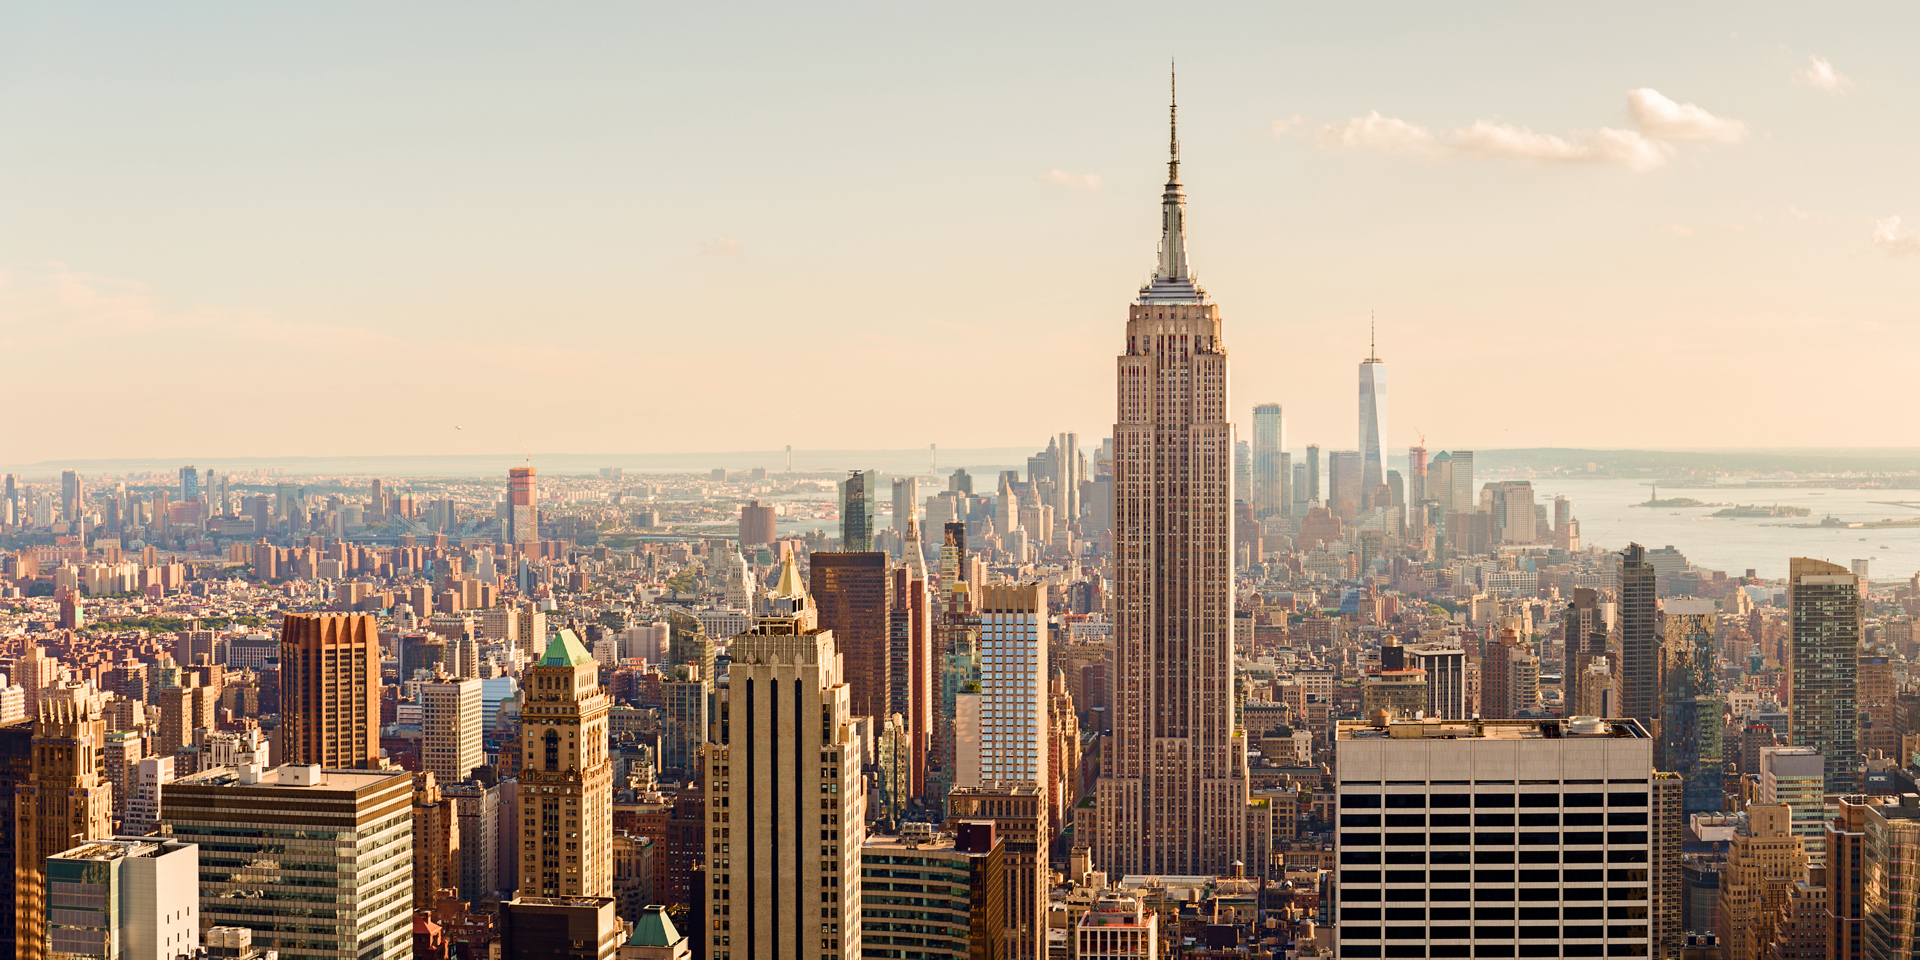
<point>291,777</point>
<point>1384,727</point>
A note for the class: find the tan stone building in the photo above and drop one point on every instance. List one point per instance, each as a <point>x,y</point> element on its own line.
<point>1766,861</point>
<point>566,776</point>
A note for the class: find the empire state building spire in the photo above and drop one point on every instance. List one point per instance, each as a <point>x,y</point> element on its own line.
<point>1172,280</point>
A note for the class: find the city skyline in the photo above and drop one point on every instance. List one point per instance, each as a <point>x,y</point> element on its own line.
<point>1334,183</point>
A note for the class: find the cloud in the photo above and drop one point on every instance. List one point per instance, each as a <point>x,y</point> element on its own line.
<point>1888,236</point>
<point>1072,181</point>
<point>1662,119</point>
<point>720,247</point>
<point>1678,229</point>
<point>1285,125</point>
<point>1820,75</point>
<point>1385,134</point>
<point>1606,145</point>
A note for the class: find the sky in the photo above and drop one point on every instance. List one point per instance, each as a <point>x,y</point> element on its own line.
<point>240,229</point>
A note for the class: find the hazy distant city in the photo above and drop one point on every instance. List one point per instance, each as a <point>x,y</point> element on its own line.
<point>1272,630</point>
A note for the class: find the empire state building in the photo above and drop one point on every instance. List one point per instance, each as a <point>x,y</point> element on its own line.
<point>1174,798</point>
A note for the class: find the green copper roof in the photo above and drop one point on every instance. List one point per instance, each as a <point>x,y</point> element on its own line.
<point>565,651</point>
<point>655,929</point>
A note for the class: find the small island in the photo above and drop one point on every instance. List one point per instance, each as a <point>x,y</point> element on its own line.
<point>1676,502</point>
<point>1772,510</point>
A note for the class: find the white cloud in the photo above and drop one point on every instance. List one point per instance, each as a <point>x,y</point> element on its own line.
<point>720,247</point>
<point>1606,145</point>
<point>1888,236</point>
<point>1072,181</point>
<point>1820,75</point>
<point>1283,126</point>
<point>1385,134</point>
<point>1662,119</point>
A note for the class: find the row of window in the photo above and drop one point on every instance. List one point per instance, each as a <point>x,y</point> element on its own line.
<point>1417,801</point>
<point>1391,950</point>
<point>1616,818</point>
<point>1482,839</point>
<point>1442,877</point>
<point>1439,914</point>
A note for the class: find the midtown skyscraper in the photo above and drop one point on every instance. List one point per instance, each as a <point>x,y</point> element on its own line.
<point>1174,797</point>
<point>1824,672</point>
<point>1639,639</point>
<point>1373,400</point>
<point>1269,461</point>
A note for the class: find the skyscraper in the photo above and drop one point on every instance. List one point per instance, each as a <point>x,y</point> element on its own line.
<point>1269,471</point>
<point>1373,415</point>
<point>856,512</point>
<point>65,803</point>
<point>566,776</point>
<point>1174,798</point>
<point>786,753</point>
<point>450,721</point>
<point>1823,674</point>
<point>1691,728</point>
<point>852,597</point>
<point>1313,472</point>
<point>1344,491</point>
<point>330,690</point>
<point>254,827</point>
<point>523,513</point>
<point>72,494</point>
<point>189,483</point>
<point>1639,639</point>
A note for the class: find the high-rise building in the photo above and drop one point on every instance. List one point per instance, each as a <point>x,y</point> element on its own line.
<point>189,484</point>
<point>150,777</point>
<point>757,524</point>
<point>1174,797</point>
<point>1446,670</point>
<point>16,770</point>
<point>1691,727</point>
<point>523,510</point>
<point>1270,478</point>
<point>934,895</point>
<point>125,899</point>
<point>906,502</point>
<point>1823,672</point>
<point>853,597</point>
<point>1639,639</point>
<point>566,776</point>
<point>1117,927</point>
<point>330,690</point>
<point>1765,860</point>
<point>1243,492</point>
<point>1313,473</point>
<point>1796,776</point>
<point>1344,493</point>
<point>450,727</point>
<point>1373,415</point>
<point>72,496</point>
<point>1890,905</point>
<point>560,928</point>
<point>856,512</point>
<point>255,827</point>
<point>65,803</point>
<point>787,751</point>
<point>910,663</point>
<point>1502,838</point>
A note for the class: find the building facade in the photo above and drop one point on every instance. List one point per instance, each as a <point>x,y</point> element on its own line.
<point>566,776</point>
<point>1174,796</point>
<point>450,728</point>
<point>1823,672</point>
<point>330,690</point>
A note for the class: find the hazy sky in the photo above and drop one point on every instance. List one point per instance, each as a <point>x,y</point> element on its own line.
<point>281,229</point>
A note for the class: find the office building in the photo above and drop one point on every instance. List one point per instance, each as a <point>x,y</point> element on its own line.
<point>788,752</point>
<point>330,690</point>
<point>1270,473</point>
<point>1018,814</point>
<point>684,698</point>
<point>1013,683</point>
<point>64,804</point>
<point>656,938</point>
<point>1173,799</point>
<point>1493,838</point>
<point>1823,673</point>
<point>1446,675</point>
<point>856,511</point>
<point>560,928</point>
<point>125,899</point>
<point>1117,927</point>
<point>450,727</point>
<point>1890,904</point>
<point>253,825</point>
<point>852,596</point>
<point>566,776</point>
<point>910,666</point>
<point>906,503</point>
<point>1639,639</point>
<point>1691,728</point>
<point>936,896</point>
<point>151,775</point>
<point>1766,859</point>
<point>1313,473</point>
<point>1243,492</point>
<point>1796,776</point>
<point>72,496</point>
<point>1344,494</point>
<point>523,510</point>
<point>757,525</point>
<point>1373,415</point>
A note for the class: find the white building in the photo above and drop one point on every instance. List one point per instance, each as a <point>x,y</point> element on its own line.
<point>1498,837</point>
<point>143,801</point>
<point>450,718</point>
<point>1117,927</point>
<point>125,899</point>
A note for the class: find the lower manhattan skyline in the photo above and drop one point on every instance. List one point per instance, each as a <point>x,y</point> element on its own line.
<point>1107,613</point>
